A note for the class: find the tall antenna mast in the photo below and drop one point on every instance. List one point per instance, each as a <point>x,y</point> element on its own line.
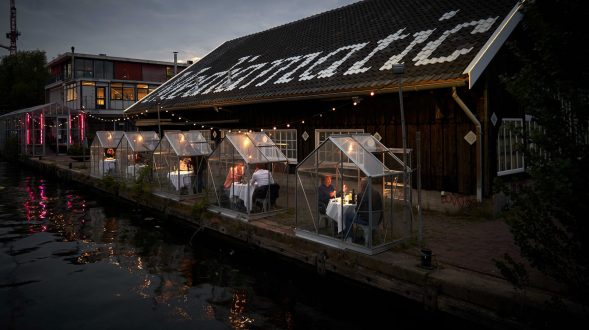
<point>13,34</point>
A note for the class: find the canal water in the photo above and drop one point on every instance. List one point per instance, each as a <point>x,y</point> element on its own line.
<point>71,258</point>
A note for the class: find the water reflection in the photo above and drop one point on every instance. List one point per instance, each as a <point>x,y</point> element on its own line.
<point>69,258</point>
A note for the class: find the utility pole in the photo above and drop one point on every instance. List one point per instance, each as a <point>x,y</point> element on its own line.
<point>13,34</point>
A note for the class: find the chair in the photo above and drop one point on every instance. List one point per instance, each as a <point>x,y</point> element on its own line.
<point>266,196</point>
<point>376,220</point>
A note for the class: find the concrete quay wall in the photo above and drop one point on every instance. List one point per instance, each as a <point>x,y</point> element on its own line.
<point>486,300</point>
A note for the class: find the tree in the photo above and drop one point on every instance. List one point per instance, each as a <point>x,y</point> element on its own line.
<point>22,80</point>
<point>548,217</point>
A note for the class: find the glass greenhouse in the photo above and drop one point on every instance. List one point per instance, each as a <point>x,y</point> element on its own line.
<point>180,163</point>
<point>103,153</point>
<point>347,195</point>
<point>249,175</point>
<point>135,154</point>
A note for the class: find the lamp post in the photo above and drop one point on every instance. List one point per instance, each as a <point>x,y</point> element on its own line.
<point>399,69</point>
<point>158,101</point>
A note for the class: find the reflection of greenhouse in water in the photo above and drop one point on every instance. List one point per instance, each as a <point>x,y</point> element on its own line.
<point>364,208</point>
<point>248,176</point>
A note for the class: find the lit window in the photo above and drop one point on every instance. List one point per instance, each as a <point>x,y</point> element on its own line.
<point>116,91</point>
<point>71,93</point>
<point>510,158</point>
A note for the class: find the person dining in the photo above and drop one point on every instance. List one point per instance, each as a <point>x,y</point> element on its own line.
<point>261,177</point>
<point>235,174</point>
<point>363,208</point>
<point>325,192</point>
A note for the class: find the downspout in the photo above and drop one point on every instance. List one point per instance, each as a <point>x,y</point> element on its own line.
<point>479,134</point>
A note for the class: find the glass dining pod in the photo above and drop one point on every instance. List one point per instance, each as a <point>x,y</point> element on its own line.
<point>103,153</point>
<point>346,198</point>
<point>135,154</point>
<point>180,163</point>
<point>248,176</point>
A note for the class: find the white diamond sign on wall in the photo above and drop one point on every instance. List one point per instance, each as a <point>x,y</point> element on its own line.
<point>305,135</point>
<point>470,137</point>
<point>377,136</point>
<point>494,119</point>
<point>215,134</point>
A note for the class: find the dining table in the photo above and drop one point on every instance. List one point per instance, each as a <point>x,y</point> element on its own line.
<point>338,212</point>
<point>243,191</point>
<point>107,165</point>
<point>180,178</point>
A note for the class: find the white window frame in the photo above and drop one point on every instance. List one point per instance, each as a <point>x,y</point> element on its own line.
<point>322,135</point>
<point>509,159</point>
<point>286,141</point>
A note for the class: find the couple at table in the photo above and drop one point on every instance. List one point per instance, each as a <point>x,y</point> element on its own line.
<point>261,176</point>
<point>363,209</point>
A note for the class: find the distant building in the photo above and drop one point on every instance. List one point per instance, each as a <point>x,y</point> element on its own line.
<point>85,93</point>
<point>103,86</point>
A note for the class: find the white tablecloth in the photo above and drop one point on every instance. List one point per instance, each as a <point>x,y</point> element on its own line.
<point>180,179</point>
<point>244,192</point>
<point>133,170</point>
<point>106,166</point>
<point>334,211</point>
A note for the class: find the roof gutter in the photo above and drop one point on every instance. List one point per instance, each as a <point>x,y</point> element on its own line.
<point>479,134</point>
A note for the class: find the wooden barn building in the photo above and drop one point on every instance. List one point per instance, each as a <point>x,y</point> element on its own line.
<point>344,71</point>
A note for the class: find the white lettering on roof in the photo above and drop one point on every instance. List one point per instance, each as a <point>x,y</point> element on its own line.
<point>190,84</point>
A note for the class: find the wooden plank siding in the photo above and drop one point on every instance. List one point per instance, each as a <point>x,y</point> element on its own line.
<point>448,161</point>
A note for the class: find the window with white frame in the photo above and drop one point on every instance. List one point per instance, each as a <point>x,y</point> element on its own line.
<point>322,134</point>
<point>286,141</point>
<point>510,158</point>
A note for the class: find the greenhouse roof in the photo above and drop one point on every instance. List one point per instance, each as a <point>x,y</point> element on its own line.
<point>109,139</point>
<point>190,143</point>
<point>142,141</point>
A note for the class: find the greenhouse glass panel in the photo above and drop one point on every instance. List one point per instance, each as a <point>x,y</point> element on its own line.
<point>248,176</point>
<point>103,153</point>
<point>342,199</point>
<point>180,164</point>
<point>135,155</point>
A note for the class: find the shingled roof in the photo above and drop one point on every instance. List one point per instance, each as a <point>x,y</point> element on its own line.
<point>347,50</point>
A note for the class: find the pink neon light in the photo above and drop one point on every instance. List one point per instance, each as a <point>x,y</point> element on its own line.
<point>42,119</point>
<point>82,125</point>
<point>28,129</point>
<point>69,128</point>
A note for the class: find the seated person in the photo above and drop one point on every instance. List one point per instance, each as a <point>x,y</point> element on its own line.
<point>261,177</point>
<point>325,192</point>
<point>261,180</point>
<point>234,175</point>
<point>362,214</point>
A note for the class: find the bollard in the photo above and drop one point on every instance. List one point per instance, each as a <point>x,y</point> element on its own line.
<point>426,258</point>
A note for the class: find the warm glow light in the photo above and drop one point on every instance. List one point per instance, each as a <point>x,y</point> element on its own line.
<point>371,93</point>
<point>42,119</point>
<point>287,125</point>
<point>182,138</point>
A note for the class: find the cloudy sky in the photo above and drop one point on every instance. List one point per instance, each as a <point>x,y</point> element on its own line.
<point>147,29</point>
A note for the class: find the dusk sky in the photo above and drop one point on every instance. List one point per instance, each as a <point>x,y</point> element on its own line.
<point>147,29</point>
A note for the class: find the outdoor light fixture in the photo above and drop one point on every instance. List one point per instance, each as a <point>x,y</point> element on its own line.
<point>356,100</point>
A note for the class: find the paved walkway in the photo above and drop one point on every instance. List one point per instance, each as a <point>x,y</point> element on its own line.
<point>473,243</point>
